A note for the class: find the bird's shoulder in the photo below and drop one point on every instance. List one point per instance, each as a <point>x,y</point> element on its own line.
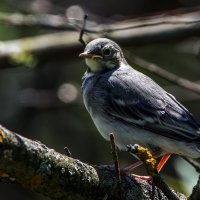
<point>128,83</point>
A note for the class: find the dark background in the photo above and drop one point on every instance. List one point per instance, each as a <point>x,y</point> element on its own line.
<point>41,98</point>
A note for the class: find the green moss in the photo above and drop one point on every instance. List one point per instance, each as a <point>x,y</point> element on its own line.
<point>25,58</point>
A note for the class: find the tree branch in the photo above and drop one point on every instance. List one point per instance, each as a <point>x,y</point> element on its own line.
<point>34,166</point>
<point>39,45</point>
<point>68,41</point>
<point>166,26</point>
<point>157,27</point>
<point>177,22</point>
<point>153,68</point>
<point>43,20</point>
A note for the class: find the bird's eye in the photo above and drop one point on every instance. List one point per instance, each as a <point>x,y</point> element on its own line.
<point>106,51</point>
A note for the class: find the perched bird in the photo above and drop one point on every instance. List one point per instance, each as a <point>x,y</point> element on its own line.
<point>131,105</point>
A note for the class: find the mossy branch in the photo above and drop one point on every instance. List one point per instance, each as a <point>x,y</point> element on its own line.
<point>34,166</point>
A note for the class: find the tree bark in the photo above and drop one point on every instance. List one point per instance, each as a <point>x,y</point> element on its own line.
<point>36,167</point>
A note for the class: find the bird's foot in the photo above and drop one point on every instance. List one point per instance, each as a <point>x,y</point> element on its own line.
<point>128,172</point>
<point>130,168</point>
<point>145,178</point>
<point>147,158</point>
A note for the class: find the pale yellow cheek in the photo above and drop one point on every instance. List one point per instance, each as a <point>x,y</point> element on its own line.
<point>93,65</point>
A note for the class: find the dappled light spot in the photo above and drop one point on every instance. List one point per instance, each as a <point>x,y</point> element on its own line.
<point>67,93</point>
<point>75,11</point>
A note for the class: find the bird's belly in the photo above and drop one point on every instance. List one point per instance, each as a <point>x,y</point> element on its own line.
<point>125,135</point>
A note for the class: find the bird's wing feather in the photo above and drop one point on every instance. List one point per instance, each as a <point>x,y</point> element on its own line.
<point>139,101</point>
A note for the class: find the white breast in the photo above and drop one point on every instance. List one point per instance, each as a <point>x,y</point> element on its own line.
<point>93,64</point>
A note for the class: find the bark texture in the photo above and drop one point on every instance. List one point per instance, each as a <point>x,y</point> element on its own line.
<point>34,166</point>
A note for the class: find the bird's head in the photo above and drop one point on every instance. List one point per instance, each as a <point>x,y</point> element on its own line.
<point>102,54</point>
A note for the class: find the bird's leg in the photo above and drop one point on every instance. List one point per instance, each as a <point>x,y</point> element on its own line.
<point>160,165</point>
<point>162,162</point>
<point>149,161</point>
<point>135,165</point>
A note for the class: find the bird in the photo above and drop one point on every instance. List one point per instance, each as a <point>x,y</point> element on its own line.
<point>126,102</point>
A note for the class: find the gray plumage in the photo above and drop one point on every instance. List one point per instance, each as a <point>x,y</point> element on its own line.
<point>129,104</point>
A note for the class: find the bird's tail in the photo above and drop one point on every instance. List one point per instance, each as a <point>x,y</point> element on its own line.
<point>195,162</point>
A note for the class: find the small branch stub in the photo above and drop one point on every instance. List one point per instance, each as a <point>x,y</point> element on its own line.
<point>82,31</point>
<point>67,151</point>
<point>116,163</point>
<point>115,157</point>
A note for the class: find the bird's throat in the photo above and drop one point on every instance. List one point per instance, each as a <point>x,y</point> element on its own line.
<point>93,65</point>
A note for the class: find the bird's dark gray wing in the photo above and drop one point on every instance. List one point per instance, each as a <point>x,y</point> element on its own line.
<point>137,100</point>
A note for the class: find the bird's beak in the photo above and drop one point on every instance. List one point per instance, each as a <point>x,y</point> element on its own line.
<point>85,55</point>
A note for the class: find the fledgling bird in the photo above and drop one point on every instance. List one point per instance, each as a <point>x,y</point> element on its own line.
<point>131,105</point>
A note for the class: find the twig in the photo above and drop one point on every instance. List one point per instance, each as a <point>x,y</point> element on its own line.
<point>82,31</point>
<point>116,163</point>
<point>153,68</point>
<point>193,163</point>
<point>151,166</point>
<point>196,191</point>
<point>115,157</point>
